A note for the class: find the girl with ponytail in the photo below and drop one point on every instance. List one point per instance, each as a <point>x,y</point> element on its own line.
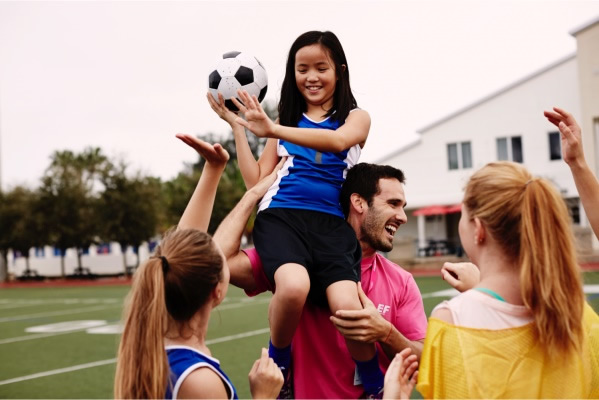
<point>525,329</point>
<point>163,353</point>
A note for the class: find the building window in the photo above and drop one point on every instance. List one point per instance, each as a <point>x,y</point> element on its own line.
<point>574,209</point>
<point>555,146</point>
<point>510,149</point>
<point>459,155</point>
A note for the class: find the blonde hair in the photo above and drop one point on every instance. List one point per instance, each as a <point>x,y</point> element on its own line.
<point>167,291</point>
<point>530,220</point>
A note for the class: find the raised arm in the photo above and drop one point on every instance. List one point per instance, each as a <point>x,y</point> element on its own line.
<point>353,131</point>
<point>228,234</point>
<point>572,152</point>
<point>199,208</point>
<point>251,170</point>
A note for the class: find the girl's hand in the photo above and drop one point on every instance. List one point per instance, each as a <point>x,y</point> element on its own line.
<point>266,379</point>
<point>570,134</point>
<point>256,119</point>
<point>401,376</point>
<point>214,154</point>
<point>462,276</point>
<point>221,110</point>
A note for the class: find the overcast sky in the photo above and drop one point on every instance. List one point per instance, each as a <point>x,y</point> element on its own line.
<point>127,76</point>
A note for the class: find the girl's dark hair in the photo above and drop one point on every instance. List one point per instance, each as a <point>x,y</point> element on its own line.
<point>292,104</point>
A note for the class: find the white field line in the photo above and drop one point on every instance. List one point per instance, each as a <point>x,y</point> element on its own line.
<point>38,336</point>
<point>5,305</point>
<point>54,313</point>
<point>113,360</point>
<point>243,303</point>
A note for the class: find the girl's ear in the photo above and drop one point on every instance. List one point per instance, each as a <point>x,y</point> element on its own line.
<point>357,202</point>
<point>217,295</point>
<point>479,230</point>
<point>343,67</point>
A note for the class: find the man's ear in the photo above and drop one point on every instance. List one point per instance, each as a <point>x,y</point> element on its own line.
<point>357,202</point>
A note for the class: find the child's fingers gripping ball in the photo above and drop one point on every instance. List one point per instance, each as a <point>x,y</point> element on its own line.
<point>237,70</point>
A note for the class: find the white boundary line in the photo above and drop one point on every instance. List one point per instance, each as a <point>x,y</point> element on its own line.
<point>225,307</point>
<point>53,313</point>
<point>113,360</point>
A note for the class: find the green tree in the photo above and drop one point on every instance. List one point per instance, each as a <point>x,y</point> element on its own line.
<point>29,229</point>
<point>69,199</point>
<point>129,209</point>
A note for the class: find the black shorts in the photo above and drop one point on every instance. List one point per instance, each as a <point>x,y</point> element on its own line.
<point>326,245</point>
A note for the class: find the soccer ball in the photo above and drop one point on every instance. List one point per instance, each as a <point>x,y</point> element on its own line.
<point>238,70</point>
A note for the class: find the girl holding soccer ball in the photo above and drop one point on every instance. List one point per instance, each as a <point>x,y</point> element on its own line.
<point>306,246</point>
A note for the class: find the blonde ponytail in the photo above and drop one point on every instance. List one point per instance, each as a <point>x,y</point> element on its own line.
<point>530,221</point>
<point>550,279</point>
<point>142,366</point>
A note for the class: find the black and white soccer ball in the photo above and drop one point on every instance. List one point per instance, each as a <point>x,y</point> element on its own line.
<point>238,70</point>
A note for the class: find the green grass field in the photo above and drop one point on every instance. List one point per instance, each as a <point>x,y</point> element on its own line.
<point>80,363</point>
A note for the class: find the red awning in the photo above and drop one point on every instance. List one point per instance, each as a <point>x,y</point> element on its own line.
<point>438,210</point>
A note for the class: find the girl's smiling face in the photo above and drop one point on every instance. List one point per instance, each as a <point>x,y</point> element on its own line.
<point>315,76</point>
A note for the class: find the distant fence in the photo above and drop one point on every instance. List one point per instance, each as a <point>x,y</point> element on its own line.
<point>105,259</point>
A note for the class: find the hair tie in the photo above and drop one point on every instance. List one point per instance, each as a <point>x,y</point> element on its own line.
<point>529,181</point>
<point>165,266</point>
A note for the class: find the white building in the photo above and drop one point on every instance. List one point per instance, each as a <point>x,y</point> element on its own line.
<point>506,125</point>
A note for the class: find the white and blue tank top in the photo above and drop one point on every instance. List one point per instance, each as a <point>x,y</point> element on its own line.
<point>310,179</point>
<point>183,360</point>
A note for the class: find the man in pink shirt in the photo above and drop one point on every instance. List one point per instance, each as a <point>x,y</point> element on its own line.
<point>393,317</point>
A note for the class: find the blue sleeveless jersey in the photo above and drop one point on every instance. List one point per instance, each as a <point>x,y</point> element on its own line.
<point>183,360</point>
<point>310,179</point>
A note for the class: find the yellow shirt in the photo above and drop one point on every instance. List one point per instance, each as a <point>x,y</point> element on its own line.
<point>459,362</point>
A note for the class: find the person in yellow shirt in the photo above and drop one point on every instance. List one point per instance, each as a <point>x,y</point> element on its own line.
<point>524,330</point>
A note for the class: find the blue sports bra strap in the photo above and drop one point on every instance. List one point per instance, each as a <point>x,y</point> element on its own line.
<point>490,292</point>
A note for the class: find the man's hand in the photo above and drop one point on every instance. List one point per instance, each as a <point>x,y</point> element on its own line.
<point>462,276</point>
<point>366,325</point>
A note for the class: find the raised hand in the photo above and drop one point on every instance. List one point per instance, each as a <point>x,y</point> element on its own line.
<point>214,154</point>
<point>256,119</point>
<point>462,276</point>
<point>401,376</point>
<point>571,136</point>
<point>221,110</point>
<point>266,379</point>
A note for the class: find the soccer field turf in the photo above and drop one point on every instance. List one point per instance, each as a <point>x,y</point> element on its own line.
<point>77,360</point>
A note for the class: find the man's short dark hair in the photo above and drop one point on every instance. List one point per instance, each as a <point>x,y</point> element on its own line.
<point>363,179</point>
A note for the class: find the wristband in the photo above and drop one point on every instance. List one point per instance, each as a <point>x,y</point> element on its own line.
<point>389,333</point>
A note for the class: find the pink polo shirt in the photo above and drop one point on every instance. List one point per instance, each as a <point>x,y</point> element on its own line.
<point>322,365</point>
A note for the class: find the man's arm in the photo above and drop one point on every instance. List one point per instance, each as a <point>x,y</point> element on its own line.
<point>368,325</point>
